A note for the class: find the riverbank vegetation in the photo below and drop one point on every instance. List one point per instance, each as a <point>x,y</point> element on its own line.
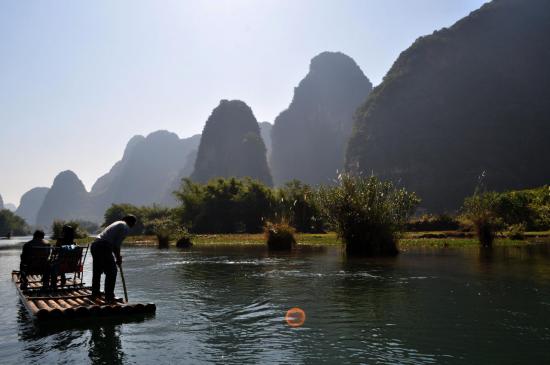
<point>237,211</point>
<point>12,225</point>
<point>82,229</point>
<point>511,212</point>
<point>407,241</point>
<point>367,213</point>
<point>279,236</point>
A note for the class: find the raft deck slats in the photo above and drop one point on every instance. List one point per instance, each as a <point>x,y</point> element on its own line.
<point>72,301</point>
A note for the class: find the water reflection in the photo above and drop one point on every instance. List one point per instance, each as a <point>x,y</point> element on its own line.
<point>232,325</point>
<point>41,340</point>
<point>100,336</point>
<point>523,259</point>
<point>105,346</point>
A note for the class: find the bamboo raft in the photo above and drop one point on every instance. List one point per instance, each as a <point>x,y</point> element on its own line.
<point>72,300</point>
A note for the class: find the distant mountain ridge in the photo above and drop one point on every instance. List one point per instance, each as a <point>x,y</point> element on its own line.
<point>67,199</point>
<point>146,172</point>
<point>466,100</point>
<point>309,138</point>
<point>30,203</point>
<point>231,145</point>
<point>1,203</point>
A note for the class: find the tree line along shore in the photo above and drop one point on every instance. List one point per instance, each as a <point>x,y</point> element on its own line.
<point>372,216</point>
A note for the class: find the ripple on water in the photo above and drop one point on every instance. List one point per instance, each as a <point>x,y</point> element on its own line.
<point>228,306</point>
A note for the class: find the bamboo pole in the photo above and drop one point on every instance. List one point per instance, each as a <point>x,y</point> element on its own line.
<point>78,308</point>
<point>60,297</point>
<point>34,309</point>
<point>73,303</point>
<point>51,311</point>
<point>54,305</point>
<point>42,305</point>
<point>123,283</point>
<point>92,309</point>
<point>128,309</point>
<point>92,306</point>
<point>82,292</point>
<point>64,304</point>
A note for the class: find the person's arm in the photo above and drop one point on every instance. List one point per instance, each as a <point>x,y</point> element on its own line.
<point>120,236</point>
<point>116,251</point>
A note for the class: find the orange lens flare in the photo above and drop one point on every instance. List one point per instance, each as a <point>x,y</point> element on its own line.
<point>295,317</point>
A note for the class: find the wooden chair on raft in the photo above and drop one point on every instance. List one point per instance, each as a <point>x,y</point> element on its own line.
<point>49,263</point>
<point>37,262</point>
<point>66,260</point>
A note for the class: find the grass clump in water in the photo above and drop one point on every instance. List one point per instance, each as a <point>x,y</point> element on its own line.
<point>166,229</point>
<point>184,240</point>
<point>479,209</point>
<point>279,236</point>
<point>516,232</point>
<point>367,213</point>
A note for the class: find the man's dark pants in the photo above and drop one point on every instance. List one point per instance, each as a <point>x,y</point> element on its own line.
<point>104,263</point>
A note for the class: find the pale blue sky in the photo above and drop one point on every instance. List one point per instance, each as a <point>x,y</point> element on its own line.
<point>79,78</point>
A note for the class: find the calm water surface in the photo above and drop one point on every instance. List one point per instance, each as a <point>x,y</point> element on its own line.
<point>226,304</point>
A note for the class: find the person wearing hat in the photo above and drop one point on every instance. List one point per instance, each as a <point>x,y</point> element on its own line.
<point>106,255</point>
<point>26,256</point>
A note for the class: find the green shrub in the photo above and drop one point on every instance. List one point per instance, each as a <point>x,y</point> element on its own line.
<point>516,231</point>
<point>87,226</point>
<point>184,241</point>
<point>118,211</point>
<point>164,229</point>
<point>367,213</point>
<point>540,204</point>
<point>279,236</point>
<point>480,210</point>
<point>530,207</point>
<point>11,224</point>
<point>225,205</point>
<point>256,203</point>
<point>517,211</point>
<point>428,222</point>
<point>143,214</point>
<point>57,229</point>
<point>297,204</point>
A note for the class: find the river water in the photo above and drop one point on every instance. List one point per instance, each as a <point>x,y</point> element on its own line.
<point>226,304</point>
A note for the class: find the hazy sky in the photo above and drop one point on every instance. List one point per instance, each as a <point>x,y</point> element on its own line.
<point>79,78</point>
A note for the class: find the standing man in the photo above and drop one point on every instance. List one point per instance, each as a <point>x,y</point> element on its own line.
<point>104,251</point>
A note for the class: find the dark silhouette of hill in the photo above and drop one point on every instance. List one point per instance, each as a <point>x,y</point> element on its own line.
<point>309,138</point>
<point>1,203</point>
<point>461,101</point>
<point>231,145</point>
<point>67,199</point>
<point>30,203</point>
<point>146,173</point>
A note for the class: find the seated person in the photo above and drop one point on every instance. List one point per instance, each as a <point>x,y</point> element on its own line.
<point>26,257</point>
<point>64,243</point>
